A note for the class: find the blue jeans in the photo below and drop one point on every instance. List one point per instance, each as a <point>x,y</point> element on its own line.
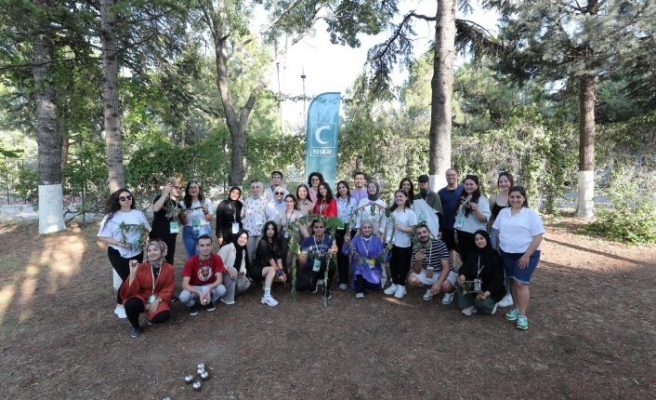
<point>513,271</point>
<point>189,237</point>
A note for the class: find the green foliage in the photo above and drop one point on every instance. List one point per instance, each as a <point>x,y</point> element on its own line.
<point>632,218</point>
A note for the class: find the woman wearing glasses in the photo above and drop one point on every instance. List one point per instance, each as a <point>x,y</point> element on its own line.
<point>122,229</point>
<point>166,211</point>
<point>196,216</point>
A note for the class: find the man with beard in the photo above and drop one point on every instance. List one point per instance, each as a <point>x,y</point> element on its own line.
<point>430,267</point>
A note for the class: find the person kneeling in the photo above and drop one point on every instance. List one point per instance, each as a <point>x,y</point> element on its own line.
<point>202,278</point>
<point>431,267</point>
<point>149,288</point>
<point>317,261</point>
<point>365,250</point>
<point>480,279</point>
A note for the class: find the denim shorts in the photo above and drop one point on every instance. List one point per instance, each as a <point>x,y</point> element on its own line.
<point>511,264</point>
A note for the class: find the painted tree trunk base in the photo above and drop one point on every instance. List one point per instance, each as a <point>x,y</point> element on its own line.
<point>51,206</point>
<point>586,194</point>
<point>437,181</point>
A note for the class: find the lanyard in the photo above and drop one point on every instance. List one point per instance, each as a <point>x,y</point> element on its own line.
<point>154,280</point>
<point>478,267</point>
<point>366,248</point>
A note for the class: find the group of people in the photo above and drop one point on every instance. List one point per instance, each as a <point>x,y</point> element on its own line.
<point>451,242</point>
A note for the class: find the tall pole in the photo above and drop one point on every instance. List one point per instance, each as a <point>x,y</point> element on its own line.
<point>303,76</point>
<point>282,131</point>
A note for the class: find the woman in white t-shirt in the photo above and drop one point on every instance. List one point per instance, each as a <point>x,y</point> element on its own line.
<point>196,216</point>
<point>520,234</point>
<point>400,227</point>
<point>123,228</point>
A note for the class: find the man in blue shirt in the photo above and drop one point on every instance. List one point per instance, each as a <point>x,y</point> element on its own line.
<point>449,196</point>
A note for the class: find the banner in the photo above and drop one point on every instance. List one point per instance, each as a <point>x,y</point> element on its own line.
<point>321,135</point>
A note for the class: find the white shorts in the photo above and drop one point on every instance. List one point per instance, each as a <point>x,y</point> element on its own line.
<point>421,276</point>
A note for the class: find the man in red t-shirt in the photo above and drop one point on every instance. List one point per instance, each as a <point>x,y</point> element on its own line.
<point>202,278</point>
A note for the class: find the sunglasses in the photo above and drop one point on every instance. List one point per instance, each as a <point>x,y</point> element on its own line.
<point>125,198</point>
<point>279,193</point>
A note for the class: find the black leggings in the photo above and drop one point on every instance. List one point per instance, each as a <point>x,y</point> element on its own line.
<point>361,285</point>
<point>400,264</point>
<point>121,266</point>
<point>135,306</point>
<point>466,244</point>
<point>306,279</point>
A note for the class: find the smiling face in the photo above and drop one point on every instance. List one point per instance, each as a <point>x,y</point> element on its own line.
<point>451,177</point>
<point>242,240</point>
<point>315,181</point>
<point>367,229</point>
<point>503,183</point>
<point>341,189</point>
<point>400,198</point>
<point>125,200</point>
<point>359,180</point>
<point>301,193</point>
<point>234,194</point>
<point>423,234</point>
<point>516,199</point>
<point>480,241</point>
<point>270,231</point>
<point>256,188</point>
<point>154,252</point>
<point>470,186</point>
<point>289,203</point>
<point>323,190</point>
<point>371,189</point>
<point>406,186</point>
<point>193,189</point>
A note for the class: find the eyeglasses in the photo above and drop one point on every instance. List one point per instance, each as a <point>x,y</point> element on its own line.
<point>279,193</point>
<point>125,198</point>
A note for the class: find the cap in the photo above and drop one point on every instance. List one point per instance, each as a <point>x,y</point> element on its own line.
<point>423,178</point>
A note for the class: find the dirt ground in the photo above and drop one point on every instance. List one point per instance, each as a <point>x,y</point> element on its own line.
<point>592,333</point>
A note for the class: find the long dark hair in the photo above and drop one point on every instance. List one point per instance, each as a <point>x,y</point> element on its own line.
<point>329,194</point>
<point>410,194</point>
<point>275,231</point>
<point>187,196</point>
<point>113,204</point>
<point>346,185</point>
<point>313,174</point>
<point>240,253</point>
<point>407,200</point>
<point>475,196</point>
<point>521,191</point>
<point>307,189</point>
<point>291,196</point>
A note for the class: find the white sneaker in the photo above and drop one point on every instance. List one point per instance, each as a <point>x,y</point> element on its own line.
<point>319,287</point>
<point>269,301</point>
<point>400,292</point>
<point>120,311</point>
<point>469,311</point>
<point>507,301</point>
<point>448,298</point>
<point>359,295</point>
<point>428,296</point>
<point>343,286</point>
<point>391,289</point>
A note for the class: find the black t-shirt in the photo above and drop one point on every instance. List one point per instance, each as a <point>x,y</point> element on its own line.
<point>160,227</point>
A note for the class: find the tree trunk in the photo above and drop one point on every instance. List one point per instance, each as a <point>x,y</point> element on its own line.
<point>51,215</point>
<point>113,139</point>
<point>439,159</point>
<point>586,146</point>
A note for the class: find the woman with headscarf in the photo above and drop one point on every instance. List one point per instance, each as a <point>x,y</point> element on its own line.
<point>484,265</point>
<point>371,209</point>
<point>365,251</point>
<point>149,288</point>
<point>228,217</point>
<point>235,260</point>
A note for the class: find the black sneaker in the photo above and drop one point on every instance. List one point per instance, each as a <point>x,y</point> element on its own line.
<point>211,306</point>
<point>135,332</point>
<point>193,310</point>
